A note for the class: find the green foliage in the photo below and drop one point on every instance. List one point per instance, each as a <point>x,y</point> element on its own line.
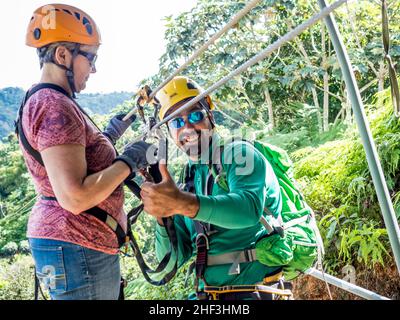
<point>139,288</point>
<point>16,278</point>
<point>102,103</point>
<point>10,99</point>
<point>338,186</point>
<point>9,249</point>
<point>293,74</point>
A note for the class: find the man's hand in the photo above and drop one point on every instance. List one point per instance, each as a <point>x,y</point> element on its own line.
<point>165,199</point>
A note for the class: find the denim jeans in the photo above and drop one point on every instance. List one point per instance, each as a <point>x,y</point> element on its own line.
<point>73,272</point>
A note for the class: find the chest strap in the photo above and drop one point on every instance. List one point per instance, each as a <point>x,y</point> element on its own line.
<point>235,258</point>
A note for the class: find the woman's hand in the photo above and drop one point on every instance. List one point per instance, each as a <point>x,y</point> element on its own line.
<point>117,127</point>
<point>164,199</point>
<point>138,155</point>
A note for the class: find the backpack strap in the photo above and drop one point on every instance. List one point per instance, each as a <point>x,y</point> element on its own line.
<point>217,170</point>
<point>18,123</point>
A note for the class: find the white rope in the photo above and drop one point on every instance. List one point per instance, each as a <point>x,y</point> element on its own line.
<point>260,56</point>
<point>203,48</point>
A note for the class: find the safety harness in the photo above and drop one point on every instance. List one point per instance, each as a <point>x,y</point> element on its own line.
<point>273,287</point>
<point>124,238</point>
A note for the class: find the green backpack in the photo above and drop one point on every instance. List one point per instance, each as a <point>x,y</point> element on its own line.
<point>293,239</point>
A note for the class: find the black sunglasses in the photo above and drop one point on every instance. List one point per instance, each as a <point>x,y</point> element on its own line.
<point>92,57</point>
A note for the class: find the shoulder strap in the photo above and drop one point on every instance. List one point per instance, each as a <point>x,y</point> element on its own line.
<point>217,171</point>
<point>187,179</point>
<point>18,123</point>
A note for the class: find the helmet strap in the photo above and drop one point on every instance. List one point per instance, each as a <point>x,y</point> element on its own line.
<point>70,71</point>
<point>205,105</point>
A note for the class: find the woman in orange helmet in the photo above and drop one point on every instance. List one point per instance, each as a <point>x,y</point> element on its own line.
<point>77,225</point>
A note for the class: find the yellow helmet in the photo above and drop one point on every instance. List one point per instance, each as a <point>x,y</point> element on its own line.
<point>177,90</point>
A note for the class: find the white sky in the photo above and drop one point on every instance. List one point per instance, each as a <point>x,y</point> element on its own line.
<point>132,34</point>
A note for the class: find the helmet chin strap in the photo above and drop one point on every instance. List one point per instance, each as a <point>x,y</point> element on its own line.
<point>70,71</point>
<point>206,106</point>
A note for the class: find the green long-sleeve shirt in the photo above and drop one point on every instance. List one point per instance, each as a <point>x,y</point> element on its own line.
<point>234,215</point>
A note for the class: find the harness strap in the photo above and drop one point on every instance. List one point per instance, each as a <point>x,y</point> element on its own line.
<point>236,292</point>
<point>18,123</point>
<point>202,246</point>
<point>103,216</point>
<point>295,222</point>
<point>146,270</point>
<point>232,257</point>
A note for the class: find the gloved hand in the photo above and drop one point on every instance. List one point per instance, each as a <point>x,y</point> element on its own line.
<point>116,127</point>
<point>138,155</point>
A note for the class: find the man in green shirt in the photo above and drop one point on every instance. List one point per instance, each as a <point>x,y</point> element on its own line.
<point>220,225</point>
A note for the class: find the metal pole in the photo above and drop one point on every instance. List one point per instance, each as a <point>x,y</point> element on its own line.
<point>374,164</point>
<point>347,286</point>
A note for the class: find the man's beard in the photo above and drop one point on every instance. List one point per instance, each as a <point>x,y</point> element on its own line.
<point>196,143</point>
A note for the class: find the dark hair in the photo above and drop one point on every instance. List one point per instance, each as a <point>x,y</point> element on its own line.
<point>46,53</point>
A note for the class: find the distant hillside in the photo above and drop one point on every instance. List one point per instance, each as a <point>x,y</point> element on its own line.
<point>97,103</point>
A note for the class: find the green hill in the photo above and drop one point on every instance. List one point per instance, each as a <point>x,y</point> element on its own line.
<point>94,103</point>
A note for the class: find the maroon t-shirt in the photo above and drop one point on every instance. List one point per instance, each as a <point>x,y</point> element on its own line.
<point>49,119</point>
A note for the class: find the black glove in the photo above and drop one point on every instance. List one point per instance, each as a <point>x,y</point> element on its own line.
<point>138,155</point>
<point>116,127</point>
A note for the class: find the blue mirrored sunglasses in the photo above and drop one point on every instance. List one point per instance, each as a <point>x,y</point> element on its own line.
<point>193,118</point>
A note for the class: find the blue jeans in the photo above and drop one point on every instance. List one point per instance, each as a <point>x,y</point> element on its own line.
<point>73,272</point>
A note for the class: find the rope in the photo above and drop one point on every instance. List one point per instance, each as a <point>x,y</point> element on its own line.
<point>260,56</point>
<point>203,48</point>
<point>394,86</point>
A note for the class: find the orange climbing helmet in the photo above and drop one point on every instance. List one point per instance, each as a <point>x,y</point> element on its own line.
<point>59,23</point>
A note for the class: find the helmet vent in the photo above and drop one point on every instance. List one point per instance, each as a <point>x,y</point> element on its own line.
<point>85,20</point>
<point>77,15</point>
<point>37,33</point>
<point>191,85</point>
<point>89,28</point>
<point>67,11</point>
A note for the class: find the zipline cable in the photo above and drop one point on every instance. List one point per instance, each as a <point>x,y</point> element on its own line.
<point>257,58</point>
<point>203,48</point>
